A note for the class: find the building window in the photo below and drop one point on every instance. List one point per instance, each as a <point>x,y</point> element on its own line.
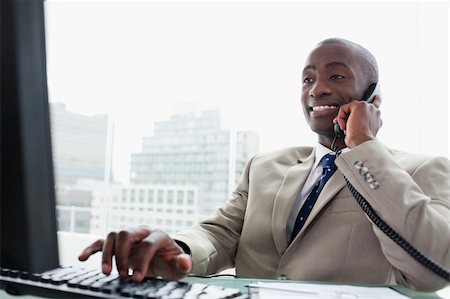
<point>170,197</point>
<point>150,196</point>
<point>160,196</point>
<point>141,196</point>
<point>190,199</point>
<point>132,195</point>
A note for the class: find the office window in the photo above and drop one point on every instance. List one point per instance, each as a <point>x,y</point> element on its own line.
<point>190,198</point>
<point>170,197</point>
<point>180,196</point>
<point>160,115</point>
<point>132,195</point>
<point>150,196</point>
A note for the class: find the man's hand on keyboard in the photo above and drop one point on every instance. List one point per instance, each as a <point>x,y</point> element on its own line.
<point>144,251</point>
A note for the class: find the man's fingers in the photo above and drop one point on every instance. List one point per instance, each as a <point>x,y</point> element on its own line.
<point>91,249</point>
<point>341,118</point>
<point>146,258</point>
<point>140,233</point>
<point>159,255</point>
<point>180,266</point>
<point>108,252</point>
<point>184,263</point>
<point>129,245</point>
<point>176,268</point>
<point>144,251</point>
<point>377,101</point>
<point>122,249</point>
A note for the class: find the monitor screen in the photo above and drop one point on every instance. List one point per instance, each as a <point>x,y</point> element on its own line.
<point>28,225</point>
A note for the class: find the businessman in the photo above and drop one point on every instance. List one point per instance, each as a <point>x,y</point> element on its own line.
<point>291,215</point>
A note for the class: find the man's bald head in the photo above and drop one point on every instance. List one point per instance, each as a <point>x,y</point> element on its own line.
<point>366,61</point>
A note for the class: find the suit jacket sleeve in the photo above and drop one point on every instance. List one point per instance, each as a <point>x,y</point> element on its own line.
<point>413,197</point>
<point>214,241</point>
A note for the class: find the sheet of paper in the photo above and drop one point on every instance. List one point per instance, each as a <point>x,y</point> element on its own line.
<point>275,290</point>
<point>444,293</point>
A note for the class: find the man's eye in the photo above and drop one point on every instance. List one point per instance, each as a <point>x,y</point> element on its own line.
<point>307,80</point>
<point>337,77</point>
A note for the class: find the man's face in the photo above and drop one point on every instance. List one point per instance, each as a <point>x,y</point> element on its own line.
<point>331,78</point>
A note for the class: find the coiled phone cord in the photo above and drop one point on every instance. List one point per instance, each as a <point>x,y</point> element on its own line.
<point>405,245</point>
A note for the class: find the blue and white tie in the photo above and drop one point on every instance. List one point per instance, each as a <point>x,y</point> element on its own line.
<point>328,169</point>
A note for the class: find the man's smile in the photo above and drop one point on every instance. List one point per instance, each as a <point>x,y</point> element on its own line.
<point>323,107</point>
<point>323,110</point>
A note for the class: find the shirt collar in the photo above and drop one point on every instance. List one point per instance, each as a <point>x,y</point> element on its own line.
<point>322,150</point>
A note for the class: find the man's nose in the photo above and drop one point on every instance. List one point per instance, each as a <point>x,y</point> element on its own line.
<point>319,89</point>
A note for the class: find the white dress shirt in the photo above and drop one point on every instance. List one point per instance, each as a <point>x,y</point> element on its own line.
<point>313,177</point>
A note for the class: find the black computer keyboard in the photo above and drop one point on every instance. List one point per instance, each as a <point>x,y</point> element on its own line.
<point>70,282</point>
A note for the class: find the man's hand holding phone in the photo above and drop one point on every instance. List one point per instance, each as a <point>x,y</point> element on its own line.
<point>360,121</point>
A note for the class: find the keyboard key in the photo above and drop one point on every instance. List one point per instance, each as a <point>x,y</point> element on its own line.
<point>58,277</point>
<point>99,283</point>
<point>146,288</point>
<point>24,275</point>
<point>35,277</point>
<point>78,273</point>
<point>84,284</point>
<point>47,276</point>
<point>111,287</point>
<point>194,291</point>
<point>14,273</point>
<point>76,280</point>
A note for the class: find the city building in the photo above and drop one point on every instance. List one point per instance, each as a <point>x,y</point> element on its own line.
<point>79,145</point>
<point>166,207</point>
<point>79,153</point>
<point>183,172</point>
<point>193,149</point>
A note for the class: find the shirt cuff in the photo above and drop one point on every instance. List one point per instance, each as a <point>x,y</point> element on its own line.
<point>184,246</point>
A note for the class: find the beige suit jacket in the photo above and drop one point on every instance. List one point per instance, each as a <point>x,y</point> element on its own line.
<point>338,242</point>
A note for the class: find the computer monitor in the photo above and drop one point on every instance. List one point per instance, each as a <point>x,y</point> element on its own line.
<point>28,224</point>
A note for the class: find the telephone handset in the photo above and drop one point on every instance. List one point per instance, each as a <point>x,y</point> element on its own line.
<point>369,95</point>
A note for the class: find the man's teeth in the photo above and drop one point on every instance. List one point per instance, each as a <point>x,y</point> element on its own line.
<point>322,108</point>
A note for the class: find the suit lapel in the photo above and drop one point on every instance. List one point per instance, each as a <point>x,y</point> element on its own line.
<point>285,198</point>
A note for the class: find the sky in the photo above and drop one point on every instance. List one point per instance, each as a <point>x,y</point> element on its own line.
<point>142,61</point>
